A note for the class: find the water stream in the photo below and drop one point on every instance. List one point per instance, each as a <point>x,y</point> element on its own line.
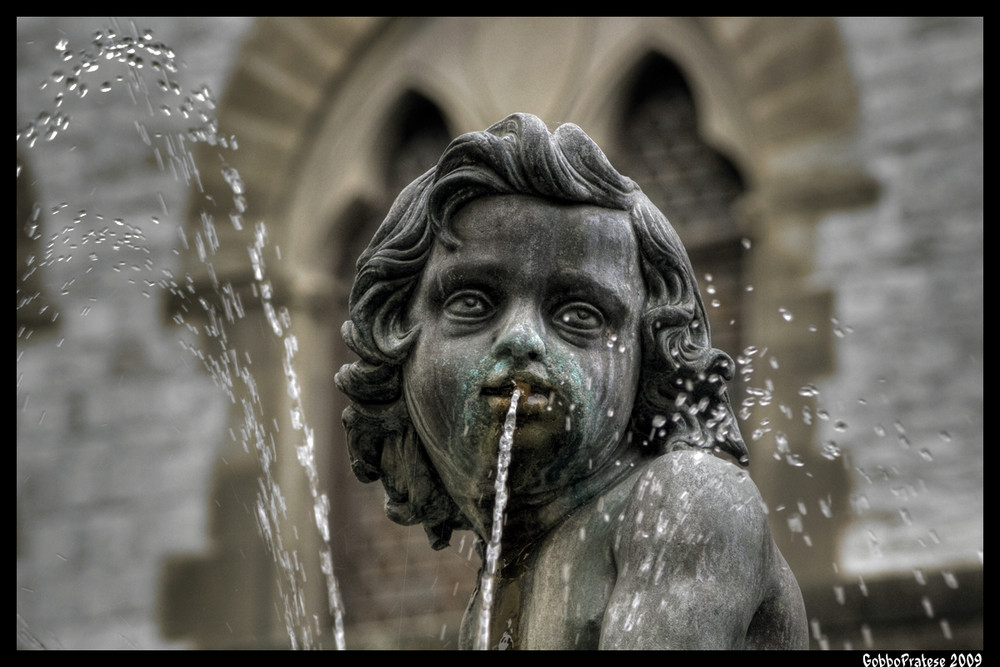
<point>488,582</point>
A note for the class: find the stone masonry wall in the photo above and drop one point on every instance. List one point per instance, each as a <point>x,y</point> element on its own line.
<point>908,272</point>
<point>117,426</point>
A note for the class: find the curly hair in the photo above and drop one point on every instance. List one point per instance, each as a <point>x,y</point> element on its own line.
<point>682,400</point>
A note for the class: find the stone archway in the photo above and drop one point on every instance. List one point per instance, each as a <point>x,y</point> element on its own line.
<point>309,97</point>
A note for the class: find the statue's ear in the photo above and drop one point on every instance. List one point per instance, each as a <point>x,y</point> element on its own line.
<point>391,329</point>
<point>378,330</point>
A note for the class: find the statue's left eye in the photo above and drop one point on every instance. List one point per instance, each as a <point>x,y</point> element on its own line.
<point>468,305</point>
<point>579,317</point>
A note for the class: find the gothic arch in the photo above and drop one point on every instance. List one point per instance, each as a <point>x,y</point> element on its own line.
<point>766,90</point>
<point>412,135</point>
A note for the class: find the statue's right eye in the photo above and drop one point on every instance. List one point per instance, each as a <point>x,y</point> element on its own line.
<point>468,306</point>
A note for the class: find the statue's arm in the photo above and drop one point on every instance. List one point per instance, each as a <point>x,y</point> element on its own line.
<point>693,554</point>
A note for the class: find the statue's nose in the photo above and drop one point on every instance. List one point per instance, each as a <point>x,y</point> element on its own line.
<point>520,336</point>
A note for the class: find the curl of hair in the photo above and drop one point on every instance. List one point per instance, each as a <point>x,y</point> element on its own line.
<point>381,440</point>
<point>682,400</point>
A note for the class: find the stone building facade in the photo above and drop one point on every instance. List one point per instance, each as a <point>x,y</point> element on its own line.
<point>826,175</point>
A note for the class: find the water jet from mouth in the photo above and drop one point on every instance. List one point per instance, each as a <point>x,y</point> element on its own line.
<point>487,584</point>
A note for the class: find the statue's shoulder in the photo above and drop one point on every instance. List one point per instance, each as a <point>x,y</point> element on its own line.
<point>695,493</point>
<point>696,471</point>
<point>694,533</point>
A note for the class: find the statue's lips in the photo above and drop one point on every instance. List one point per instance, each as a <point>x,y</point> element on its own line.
<point>537,399</point>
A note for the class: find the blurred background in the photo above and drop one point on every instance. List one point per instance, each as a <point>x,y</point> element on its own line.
<point>192,194</point>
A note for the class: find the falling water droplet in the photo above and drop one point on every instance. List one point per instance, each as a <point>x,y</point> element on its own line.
<point>809,391</point>
<point>873,544</point>
<point>839,330</point>
<point>782,442</point>
<point>831,451</point>
<point>928,607</point>
<point>825,507</point>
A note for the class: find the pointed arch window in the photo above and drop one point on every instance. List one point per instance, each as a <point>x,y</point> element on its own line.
<point>694,185</point>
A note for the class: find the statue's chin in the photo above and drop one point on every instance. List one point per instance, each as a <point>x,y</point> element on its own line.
<point>550,456</point>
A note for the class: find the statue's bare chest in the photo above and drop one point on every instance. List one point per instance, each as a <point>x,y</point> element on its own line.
<point>554,594</point>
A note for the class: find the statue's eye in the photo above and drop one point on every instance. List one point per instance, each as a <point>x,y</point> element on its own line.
<point>579,317</point>
<point>468,305</point>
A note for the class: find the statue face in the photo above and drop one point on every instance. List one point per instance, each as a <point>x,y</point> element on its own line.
<point>542,296</point>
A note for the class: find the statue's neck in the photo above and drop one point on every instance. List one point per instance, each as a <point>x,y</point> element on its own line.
<point>530,517</point>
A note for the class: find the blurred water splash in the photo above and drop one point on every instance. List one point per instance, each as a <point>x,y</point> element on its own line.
<point>123,58</point>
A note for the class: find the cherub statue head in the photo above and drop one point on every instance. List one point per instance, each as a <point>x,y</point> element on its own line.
<point>524,259</point>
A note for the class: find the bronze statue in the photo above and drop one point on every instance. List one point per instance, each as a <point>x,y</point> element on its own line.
<point>525,261</point>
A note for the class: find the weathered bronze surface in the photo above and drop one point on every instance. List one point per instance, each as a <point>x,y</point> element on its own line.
<point>525,260</point>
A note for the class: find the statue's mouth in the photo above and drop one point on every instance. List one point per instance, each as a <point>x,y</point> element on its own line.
<point>538,397</point>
